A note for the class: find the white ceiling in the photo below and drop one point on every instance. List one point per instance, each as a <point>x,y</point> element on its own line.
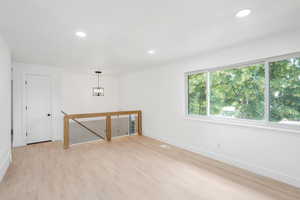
<point>120,32</point>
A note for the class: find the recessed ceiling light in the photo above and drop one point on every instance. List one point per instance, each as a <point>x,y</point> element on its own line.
<point>80,34</point>
<point>151,52</point>
<point>243,13</point>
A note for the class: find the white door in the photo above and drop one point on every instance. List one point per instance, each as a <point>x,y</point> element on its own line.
<point>38,108</point>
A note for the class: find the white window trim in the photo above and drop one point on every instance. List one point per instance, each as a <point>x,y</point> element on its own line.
<point>246,123</point>
<point>262,124</point>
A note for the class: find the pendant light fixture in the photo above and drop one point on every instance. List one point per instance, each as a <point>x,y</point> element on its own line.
<point>98,91</point>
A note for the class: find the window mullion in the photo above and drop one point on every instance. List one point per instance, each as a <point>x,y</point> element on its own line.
<point>187,98</point>
<point>267,91</point>
<point>208,94</point>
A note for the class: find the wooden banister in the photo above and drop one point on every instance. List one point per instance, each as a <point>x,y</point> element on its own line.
<point>108,116</point>
<point>66,133</point>
<point>108,128</point>
<point>91,115</point>
<point>139,123</point>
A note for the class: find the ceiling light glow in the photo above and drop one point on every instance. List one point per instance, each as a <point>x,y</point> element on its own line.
<point>243,13</point>
<point>80,34</point>
<point>151,52</point>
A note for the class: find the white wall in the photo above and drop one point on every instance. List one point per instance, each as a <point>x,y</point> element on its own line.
<point>71,92</point>
<point>159,92</point>
<point>5,107</point>
<point>77,93</point>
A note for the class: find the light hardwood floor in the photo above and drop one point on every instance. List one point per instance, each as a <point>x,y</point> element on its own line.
<point>133,168</point>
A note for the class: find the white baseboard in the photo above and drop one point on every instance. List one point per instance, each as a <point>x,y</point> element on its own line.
<point>5,160</point>
<point>238,163</point>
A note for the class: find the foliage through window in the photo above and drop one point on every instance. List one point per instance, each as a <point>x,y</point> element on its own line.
<point>238,92</point>
<point>197,94</point>
<point>241,92</point>
<point>285,90</point>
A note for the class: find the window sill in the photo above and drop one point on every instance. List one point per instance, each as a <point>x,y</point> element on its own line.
<point>247,123</point>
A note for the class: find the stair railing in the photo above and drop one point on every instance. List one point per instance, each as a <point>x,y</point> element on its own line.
<point>84,126</point>
<point>108,115</point>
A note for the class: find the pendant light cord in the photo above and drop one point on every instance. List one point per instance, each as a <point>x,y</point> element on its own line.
<point>98,80</point>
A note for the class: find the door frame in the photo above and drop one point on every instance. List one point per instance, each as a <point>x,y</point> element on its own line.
<point>24,104</point>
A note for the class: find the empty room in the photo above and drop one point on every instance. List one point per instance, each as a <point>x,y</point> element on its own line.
<point>149,100</point>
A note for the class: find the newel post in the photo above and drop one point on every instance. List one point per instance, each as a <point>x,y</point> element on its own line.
<point>66,133</point>
<point>108,128</point>
<point>140,123</point>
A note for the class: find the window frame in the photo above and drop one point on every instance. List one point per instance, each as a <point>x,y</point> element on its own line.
<point>265,123</point>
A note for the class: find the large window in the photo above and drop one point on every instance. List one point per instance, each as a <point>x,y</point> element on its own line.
<point>268,90</point>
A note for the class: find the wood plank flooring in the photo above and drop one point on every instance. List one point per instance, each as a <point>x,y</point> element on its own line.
<point>130,168</point>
